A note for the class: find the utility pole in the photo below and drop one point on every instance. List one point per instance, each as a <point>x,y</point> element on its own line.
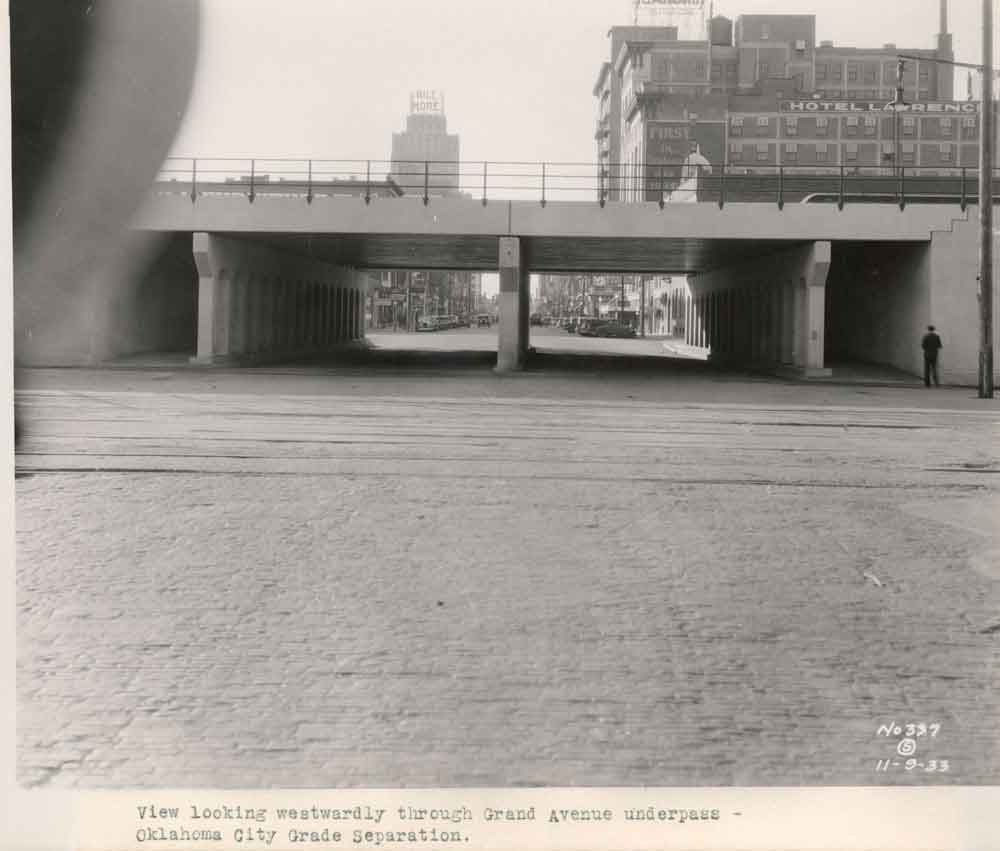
<point>986,211</point>
<point>621,303</point>
<point>409,286</point>
<point>642,306</point>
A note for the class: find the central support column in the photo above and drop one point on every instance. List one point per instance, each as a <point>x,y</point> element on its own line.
<point>812,318</point>
<point>213,304</point>
<point>515,302</point>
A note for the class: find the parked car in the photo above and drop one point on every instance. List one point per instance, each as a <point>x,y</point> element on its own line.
<point>614,329</point>
<point>483,320</point>
<point>427,323</point>
<point>446,321</point>
<point>587,326</point>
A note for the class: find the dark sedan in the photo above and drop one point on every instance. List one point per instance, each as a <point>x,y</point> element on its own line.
<point>614,329</point>
<point>587,326</point>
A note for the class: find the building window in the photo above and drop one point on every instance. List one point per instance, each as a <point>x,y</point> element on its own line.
<point>909,125</point>
<point>763,126</point>
<point>762,154</point>
<point>736,126</point>
<point>699,70</point>
<point>852,73</point>
<point>730,71</point>
<point>869,126</point>
<point>969,128</point>
<point>851,152</point>
<point>716,71</point>
<point>871,74</point>
<point>838,73</point>
<point>822,153</point>
<point>946,126</point>
<point>736,152</point>
<point>852,125</point>
<point>763,70</point>
<point>946,153</point>
<point>791,127</point>
<point>765,32</point>
<point>792,152</point>
<point>909,153</point>
<point>822,126</point>
<point>820,72</point>
<point>925,72</point>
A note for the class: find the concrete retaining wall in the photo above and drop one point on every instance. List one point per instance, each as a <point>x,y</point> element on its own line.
<point>882,297</point>
<point>143,299</point>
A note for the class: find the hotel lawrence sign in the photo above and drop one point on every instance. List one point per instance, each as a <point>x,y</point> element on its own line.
<point>928,107</point>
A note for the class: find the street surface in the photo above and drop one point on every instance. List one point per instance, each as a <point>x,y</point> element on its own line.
<point>325,576</point>
<point>547,338</point>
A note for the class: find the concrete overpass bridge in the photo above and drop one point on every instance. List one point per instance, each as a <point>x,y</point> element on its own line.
<point>771,285</point>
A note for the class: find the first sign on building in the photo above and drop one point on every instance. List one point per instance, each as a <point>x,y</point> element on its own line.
<point>426,102</point>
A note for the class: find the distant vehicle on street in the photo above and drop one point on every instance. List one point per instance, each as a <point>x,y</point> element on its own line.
<point>535,319</point>
<point>427,323</point>
<point>614,329</point>
<point>587,325</point>
<point>446,321</point>
<point>483,320</point>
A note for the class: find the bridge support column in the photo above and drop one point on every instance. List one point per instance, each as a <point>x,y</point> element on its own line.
<point>515,302</point>
<point>213,304</point>
<point>255,301</point>
<point>811,320</point>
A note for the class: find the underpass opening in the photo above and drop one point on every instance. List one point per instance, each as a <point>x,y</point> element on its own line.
<point>879,303</point>
<point>742,305</point>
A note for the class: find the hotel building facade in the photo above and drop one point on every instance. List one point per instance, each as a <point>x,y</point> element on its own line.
<point>763,94</point>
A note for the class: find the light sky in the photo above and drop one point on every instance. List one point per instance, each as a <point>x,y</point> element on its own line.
<point>331,78</point>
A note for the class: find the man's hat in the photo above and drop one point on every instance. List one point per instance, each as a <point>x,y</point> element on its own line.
<point>930,327</point>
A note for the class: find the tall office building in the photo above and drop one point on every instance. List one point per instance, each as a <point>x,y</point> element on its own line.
<point>426,155</point>
<point>764,93</point>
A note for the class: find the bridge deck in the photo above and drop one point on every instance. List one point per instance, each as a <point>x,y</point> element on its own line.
<point>461,233</point>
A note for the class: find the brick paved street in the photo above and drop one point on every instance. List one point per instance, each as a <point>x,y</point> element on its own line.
<point>267,578</point>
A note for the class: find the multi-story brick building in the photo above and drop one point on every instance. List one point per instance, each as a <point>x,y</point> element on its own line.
<point>765,94</point>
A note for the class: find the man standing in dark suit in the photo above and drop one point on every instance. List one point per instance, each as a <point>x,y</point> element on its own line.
<point>931,344</point>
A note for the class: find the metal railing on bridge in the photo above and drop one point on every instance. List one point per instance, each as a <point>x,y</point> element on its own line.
<point>568,181</point>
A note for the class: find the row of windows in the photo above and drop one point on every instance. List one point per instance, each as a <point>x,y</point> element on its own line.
<point>852,120</point>
<point>867,73</point>
<point>853,124</point>
<point>790,151</point>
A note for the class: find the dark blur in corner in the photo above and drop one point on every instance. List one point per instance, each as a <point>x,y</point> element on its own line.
<point>98,91</point>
